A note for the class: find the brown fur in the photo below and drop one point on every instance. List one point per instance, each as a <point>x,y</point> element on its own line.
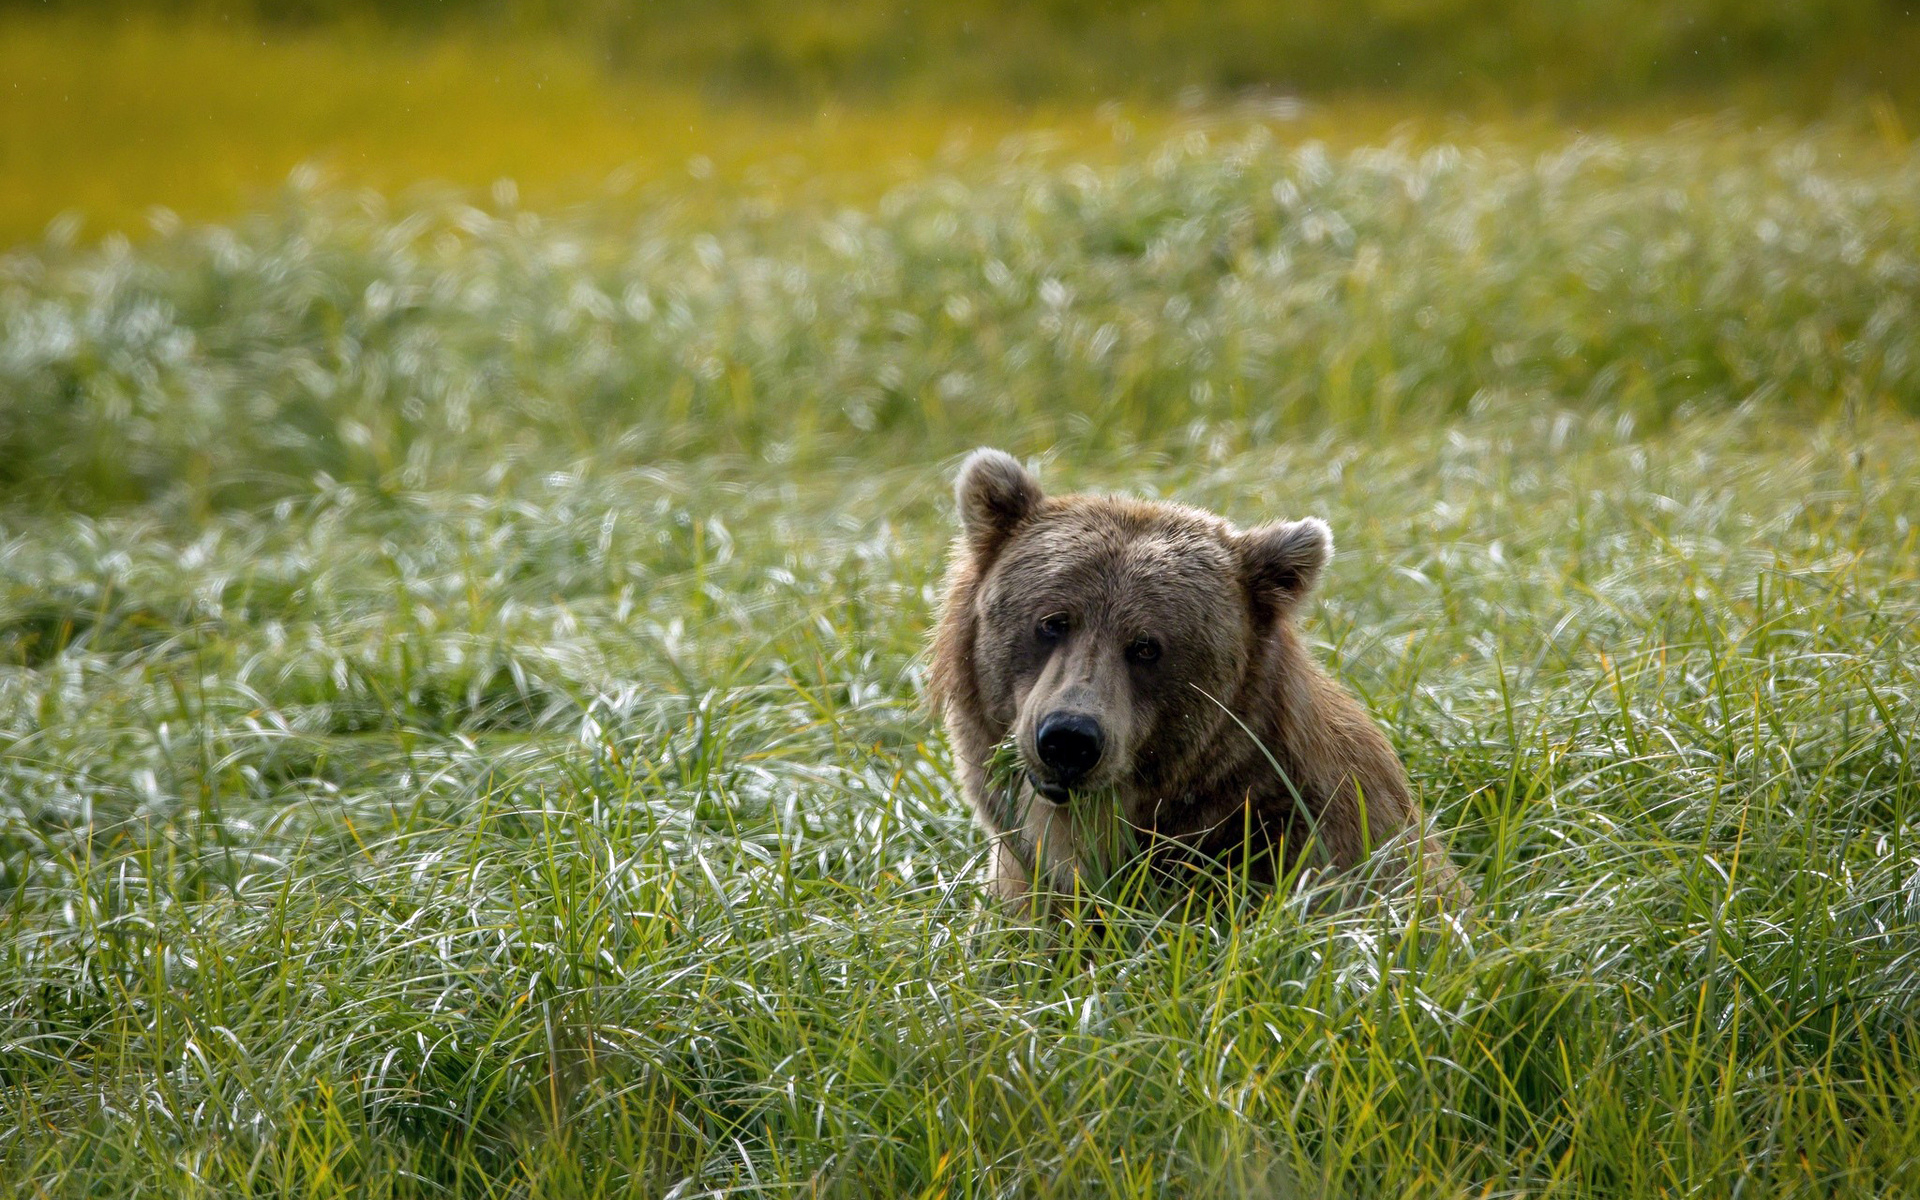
<point>1195,734</point>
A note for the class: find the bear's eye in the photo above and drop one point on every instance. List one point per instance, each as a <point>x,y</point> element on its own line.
<point>1053,627</point>
<point>1143,650</point>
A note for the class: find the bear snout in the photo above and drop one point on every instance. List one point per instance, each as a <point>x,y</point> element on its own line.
<point>1069,745</point>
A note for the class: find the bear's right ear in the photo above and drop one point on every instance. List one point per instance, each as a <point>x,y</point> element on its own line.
<point>995,493</point>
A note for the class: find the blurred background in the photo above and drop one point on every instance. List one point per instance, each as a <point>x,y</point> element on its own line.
<point>259,246</point>
<point>111,107</point>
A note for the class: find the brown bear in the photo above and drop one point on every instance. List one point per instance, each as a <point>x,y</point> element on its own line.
<point>1119,674</point>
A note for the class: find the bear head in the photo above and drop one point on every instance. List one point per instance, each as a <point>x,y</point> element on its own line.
<point>1108,639</point>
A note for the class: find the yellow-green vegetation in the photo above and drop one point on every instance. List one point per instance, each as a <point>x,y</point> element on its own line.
<point>124,124</point>
<point>1225,286</point>
<point>110,109</point>
<point>461,718</point>
<point>1781,52</point>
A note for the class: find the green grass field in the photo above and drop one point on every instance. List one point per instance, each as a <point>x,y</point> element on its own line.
<point>461,723</point>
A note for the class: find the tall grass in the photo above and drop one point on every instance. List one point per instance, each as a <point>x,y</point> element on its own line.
<point>595,840</point>
<point>461,724</point>
<point>1222,286</point>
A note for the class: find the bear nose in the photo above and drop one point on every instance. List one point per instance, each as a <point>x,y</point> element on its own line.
<point>1069,743</point>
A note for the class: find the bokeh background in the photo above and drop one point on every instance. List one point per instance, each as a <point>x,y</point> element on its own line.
<point>112,106</point>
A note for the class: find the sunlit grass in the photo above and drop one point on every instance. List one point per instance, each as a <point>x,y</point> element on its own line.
<point>1219,288</point>
<point>597,839</point>
<point>461,690</point>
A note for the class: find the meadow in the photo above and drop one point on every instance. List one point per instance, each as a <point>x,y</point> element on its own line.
<point>116,115</point>
<point>461,678</point>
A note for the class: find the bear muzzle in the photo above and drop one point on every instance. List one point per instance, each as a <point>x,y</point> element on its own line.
<point>1069,746</point>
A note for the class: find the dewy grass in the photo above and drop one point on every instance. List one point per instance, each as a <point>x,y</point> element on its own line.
<point>1214,292</point>
<point>462,732</point>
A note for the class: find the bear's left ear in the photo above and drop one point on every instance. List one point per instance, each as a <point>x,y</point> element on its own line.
<point>995,494</point>
<point>1281,562</point>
